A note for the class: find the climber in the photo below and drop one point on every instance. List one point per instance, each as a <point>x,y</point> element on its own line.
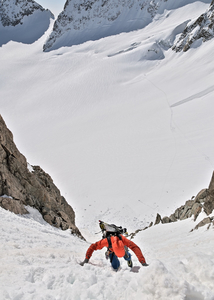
<point>117,246</point>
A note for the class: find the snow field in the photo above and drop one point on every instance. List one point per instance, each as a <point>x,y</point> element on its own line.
<point>124,126</point>
<point>107,121</point>
<point>38,261</point>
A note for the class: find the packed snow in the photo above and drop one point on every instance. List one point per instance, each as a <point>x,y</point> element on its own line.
<point>38,261</point>
<point>124,126</point>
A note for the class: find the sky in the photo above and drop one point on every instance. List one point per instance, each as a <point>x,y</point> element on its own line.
<point>55,6</point>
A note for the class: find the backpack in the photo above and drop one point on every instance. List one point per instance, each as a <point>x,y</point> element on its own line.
<point>111,229</point>
<point>113,235</point>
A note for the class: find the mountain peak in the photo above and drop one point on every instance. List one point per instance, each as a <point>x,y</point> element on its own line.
<point>22,21</point>
<point>198,31</point>
<point>81,21</point>
<point>13,11</point>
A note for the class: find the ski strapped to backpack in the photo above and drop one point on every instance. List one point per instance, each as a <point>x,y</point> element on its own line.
<point>111,229</point>
<point>113,235</point>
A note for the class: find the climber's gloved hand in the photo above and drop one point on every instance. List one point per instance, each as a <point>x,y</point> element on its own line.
<point>84,262</point>
<point>144,264</point>
<point>107,254</point>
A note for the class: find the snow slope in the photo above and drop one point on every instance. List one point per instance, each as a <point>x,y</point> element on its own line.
<point>38,261</point>
<point>124,126</point>
<point>118,123</point>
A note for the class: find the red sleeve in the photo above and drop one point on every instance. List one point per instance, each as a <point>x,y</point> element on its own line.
<point>96,246</point>
<point>134,248</point>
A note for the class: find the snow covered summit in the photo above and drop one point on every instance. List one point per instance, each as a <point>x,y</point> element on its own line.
<point>198,31</point>
<point>22,21</point>
<point>81,21</point>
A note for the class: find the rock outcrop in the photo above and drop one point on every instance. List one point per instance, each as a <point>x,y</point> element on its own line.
<point>13,205</point>
<point>206,221</point>
<point>201,30</point>
<point>204,201</point>
<point>22,185</point>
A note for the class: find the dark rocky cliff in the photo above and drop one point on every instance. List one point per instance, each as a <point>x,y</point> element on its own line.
<point>21,185</point>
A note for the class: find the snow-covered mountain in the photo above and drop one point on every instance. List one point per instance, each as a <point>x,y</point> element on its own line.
<point>81,21</point>
<point>124,125</point>
<point>22,21</point>
<point>197,31</point>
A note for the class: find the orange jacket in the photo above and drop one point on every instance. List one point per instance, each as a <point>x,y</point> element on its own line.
<point>104,243</point>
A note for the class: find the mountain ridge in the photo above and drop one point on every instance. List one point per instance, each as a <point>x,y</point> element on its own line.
<point>26,21</point>
<point>80,22</point>
<point>201,30</point>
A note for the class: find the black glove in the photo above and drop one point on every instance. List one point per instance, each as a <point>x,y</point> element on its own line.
<point>107,254</point>
<point>84,262</point>
<point>144,264</point>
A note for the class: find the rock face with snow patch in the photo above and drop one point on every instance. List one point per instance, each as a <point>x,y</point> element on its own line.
<point>21,185</point>
<point>206,221</point>
<point>197,32</point>
<point>204,201</point>
<point>12,205</point>
<point>22,20</point>
<point>82,21</point>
